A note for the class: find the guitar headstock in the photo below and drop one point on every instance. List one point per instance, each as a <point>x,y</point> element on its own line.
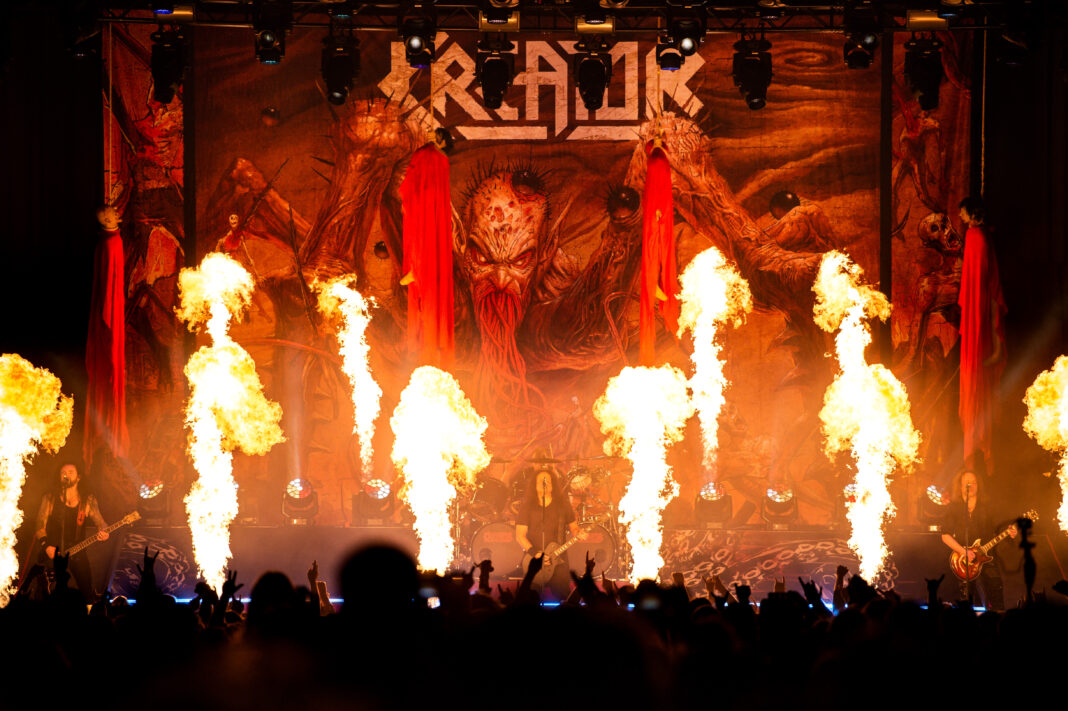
<point>130,518</point>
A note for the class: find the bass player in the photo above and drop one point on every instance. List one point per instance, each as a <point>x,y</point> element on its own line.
<point>61,523</point>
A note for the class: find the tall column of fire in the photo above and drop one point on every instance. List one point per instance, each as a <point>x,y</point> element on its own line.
<point>865,409</point>
<point>338,299</point>
<point>713,293</point>
<point>642,411</point>
<point>437,448</point>
<point>34,414</point>
<point>227,409</point>
<point>1047,422</point>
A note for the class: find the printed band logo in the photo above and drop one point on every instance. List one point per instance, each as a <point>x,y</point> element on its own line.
<point>543,69</point>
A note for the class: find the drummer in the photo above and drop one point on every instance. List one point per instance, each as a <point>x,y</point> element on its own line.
<point>544,519</point>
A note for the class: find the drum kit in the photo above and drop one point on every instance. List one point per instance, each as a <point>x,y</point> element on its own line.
<point>487,518</point>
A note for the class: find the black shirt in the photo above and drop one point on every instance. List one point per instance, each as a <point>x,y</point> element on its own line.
<point>545,524</point>
<point>966,527</point>
<point>63,529</point>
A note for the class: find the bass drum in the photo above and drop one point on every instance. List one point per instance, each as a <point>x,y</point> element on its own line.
<point>600,544</point>
<point>496,541</point>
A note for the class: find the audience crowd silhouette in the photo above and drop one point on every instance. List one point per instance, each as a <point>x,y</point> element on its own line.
<point>406,640</point>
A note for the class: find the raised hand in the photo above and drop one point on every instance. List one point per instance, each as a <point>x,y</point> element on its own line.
<point>780,585</point>
<point>485,567</point>
<point>505,596</point>
<point>813,593</point>
<point>840,573</point>
<point>468,578</point>
<point>591,563</point>
<point>313,574</point>
<point>230,586</point>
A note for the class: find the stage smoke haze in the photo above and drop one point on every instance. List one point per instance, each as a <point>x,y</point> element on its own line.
<point>642,411</point>
<point>227,409</point>
<point>437,448</point>
<point>713,293</point>
<point>34,414</point>
<point>1047,422</point>
<point>865,409</point>
<point>339,299</point>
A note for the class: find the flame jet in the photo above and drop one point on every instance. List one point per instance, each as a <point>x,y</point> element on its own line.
<point>227,409</point>
<point>865,409</point>
<point>642,411</point>
<point>437,447</point>
<point>713,293</point>
<point>1047,422</point>
<point>338,299</point>
<point>34,414</point>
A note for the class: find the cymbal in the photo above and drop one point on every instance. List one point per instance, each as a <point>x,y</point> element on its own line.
<point>545,460</point>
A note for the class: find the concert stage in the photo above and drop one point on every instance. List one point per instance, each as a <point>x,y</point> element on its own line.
<point>744,556</point>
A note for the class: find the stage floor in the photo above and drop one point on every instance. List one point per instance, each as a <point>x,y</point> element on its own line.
<point>753,557</point>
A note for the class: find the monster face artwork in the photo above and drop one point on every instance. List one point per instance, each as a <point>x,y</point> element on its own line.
<point>504,238</point>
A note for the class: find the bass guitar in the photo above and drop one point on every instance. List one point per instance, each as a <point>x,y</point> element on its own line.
<point>958,562</point>
<point>86,542</point>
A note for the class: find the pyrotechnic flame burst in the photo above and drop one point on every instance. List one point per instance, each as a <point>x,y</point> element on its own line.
<point>227,409</point>
<point>437,448</point>
<point>866,408</point>
<point>1047,422</point>
<point>34,414</point>
<point>338,299</point>
<point>713,293</point>
<point>642,411</point>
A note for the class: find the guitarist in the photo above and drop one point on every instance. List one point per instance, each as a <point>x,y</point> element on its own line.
<point>61,523</point>
<point>967,519</point>
<point>545,516</point>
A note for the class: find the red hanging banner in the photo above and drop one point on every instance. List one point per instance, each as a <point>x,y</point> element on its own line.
<point>659,277</point>
<point>427,260</point>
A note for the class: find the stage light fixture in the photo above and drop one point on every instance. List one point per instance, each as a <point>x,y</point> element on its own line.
<point>779,507</point>
<point>340,65</point>
<point>713,507</point>
<point>373,506</point>
<point>861,21</point>
<point>593,70</point>
<point>418,31</point>
<point>300,502</point>
<point>668,57</point>
<point>339,9</point>
<point>498,14</point>
<point>591,12</point>
<point>923,69</point>
<point>934,504</point>
<point>271,19</point>
<point>770,9</point>
<point>154,502</point>
<point>167,63</point>
<point>494,69</point>
<point>751,70</point>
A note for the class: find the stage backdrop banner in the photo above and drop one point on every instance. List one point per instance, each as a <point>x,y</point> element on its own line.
<point>930,176</point>
<point>144,177</point>
<point>546,233</point>
<point>546,240</point>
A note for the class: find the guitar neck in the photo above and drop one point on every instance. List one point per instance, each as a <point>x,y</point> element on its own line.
<point>994,541</point>
<point>83,544</point>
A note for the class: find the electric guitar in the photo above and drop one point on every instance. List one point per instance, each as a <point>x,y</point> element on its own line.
<point>958,562</point>
<point>553,551</point>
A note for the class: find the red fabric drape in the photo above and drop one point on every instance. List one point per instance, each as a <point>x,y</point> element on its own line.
<point>105,351</point>
<point>428,257</point>
<point>982,307</point>
<point>658,255</point>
